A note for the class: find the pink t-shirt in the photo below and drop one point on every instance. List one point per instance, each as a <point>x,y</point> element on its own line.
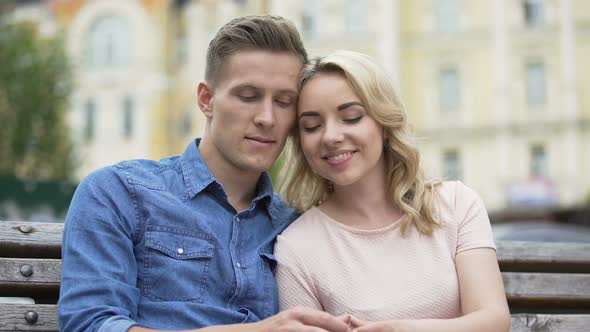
<point>378,274</point>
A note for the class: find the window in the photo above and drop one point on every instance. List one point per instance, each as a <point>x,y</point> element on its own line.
<point>449,89</point>
<point>357,15</point>
<point>538,166</point>
<point>533,12</point>
<point>89,120</point>
<point>535,84</point>
<point>309,19</point>
<point>447,15</point>
<point>452,165</point>
<point>181,48</point>
<point>108,42</point>
<point>128,117</point>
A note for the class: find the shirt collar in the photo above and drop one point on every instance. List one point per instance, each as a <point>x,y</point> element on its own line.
<point>197,175</point>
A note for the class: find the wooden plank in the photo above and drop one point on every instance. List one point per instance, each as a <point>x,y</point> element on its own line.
<point>30,239</point>
<point>45,274</point>
<point>543,256</point>
<point>548,322</point>
<point>12,317</point>
<point>547,288</point>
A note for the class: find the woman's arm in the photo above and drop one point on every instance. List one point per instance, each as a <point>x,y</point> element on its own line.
<point>295,284</point>
<point>483,301</point>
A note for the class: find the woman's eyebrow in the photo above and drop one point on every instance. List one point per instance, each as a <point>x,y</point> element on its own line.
<point>308,114</point>
<point>349,104</point>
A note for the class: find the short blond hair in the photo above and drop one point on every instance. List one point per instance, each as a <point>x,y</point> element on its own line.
<point>255,32</point>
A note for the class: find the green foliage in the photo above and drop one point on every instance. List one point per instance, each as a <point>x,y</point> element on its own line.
<point>35,83</point>
<point>276,169</point>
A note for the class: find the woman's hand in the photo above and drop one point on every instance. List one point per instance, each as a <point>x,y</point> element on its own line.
<point>358,325</point>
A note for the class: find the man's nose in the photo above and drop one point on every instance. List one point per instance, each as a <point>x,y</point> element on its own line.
<point>265,116</point>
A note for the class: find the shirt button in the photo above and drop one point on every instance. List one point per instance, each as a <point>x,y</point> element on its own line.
<point>239,265</point>
<point>180,251</point>
<point>238,219</point>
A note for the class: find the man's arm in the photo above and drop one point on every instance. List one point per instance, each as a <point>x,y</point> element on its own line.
<point>99,270</point>
<point>296,319</point>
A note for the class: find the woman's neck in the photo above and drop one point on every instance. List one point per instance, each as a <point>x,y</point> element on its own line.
<point>366,204</point>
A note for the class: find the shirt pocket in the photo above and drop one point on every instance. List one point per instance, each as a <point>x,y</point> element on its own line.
<point>176,266</point>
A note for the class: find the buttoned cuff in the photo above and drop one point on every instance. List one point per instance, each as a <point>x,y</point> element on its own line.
<point>117,324</point>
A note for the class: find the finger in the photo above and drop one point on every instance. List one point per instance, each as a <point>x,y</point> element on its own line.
<point>324,321</point>
<point>345,318</point>
<point>355,322</point>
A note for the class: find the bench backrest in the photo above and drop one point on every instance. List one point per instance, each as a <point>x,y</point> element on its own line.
<point>547,284</point>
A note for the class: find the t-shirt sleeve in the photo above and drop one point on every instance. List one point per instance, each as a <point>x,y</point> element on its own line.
<point>474,229</point>
<point>295,285</point>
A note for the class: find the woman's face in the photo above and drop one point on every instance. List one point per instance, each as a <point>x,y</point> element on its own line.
<point>339,139</point>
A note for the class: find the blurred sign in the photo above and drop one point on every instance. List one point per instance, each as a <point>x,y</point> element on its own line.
<point>536,191</point>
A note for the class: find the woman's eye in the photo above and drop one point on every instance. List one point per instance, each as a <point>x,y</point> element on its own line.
<point>353,120</point>
<point>310,129</point>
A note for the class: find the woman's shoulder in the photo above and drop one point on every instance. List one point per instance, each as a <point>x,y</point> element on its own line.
<point>453,199</point>
<point>452,193</point>
<point>305,226</point>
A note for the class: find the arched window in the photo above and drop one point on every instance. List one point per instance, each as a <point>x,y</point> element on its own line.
<point>108,42</point>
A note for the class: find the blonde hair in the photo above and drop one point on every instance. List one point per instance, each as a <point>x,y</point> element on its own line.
<point>411,191</point>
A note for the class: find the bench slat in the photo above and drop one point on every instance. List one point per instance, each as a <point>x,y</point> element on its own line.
<point>544,322</point>
<point>30,239</point>
<point>547,288</point>
<point>12,317</point>
<point>543,256</point>
<point>45,272</point>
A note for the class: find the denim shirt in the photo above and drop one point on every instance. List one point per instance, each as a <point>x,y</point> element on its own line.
<point>157,244</point>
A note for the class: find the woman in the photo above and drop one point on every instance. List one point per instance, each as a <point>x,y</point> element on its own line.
<point>379,241</point>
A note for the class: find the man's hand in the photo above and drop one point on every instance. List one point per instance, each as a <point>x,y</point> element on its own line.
<point>298,319</point>
<point>304,320</point>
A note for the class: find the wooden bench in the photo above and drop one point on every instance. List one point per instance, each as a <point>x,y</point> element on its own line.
<point>547,284</point>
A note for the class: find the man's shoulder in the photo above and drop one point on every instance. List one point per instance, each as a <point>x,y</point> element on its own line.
<point>116,179</point>
<point>134,171</point>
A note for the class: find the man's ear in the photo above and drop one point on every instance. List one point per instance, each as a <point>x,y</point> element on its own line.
<point>205,98</point>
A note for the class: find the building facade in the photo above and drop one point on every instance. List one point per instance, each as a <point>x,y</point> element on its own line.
<point>497,91</point>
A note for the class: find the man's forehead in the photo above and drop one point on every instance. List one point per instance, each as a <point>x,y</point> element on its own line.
<point>258,66</point>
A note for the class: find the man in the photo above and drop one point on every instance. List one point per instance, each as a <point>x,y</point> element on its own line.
<point>186,242</point>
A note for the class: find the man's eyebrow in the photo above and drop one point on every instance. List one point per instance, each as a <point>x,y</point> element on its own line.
<point>288,92</point>
<point>245,86</point>
<point>347,105</point>
<point>308,114</point>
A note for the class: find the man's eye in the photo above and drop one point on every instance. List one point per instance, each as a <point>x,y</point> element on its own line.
<point>247,98</point>
<point>284,103</point>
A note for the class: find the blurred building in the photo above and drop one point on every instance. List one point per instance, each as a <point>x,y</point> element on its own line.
<point>496,90</point>
<point>499,95</point>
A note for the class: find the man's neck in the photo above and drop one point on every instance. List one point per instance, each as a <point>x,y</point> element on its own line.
<point>239,185</point>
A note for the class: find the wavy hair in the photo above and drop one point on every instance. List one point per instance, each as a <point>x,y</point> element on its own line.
<point>411,191</point>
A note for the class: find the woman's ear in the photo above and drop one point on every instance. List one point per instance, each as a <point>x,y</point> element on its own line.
<point>205,98</point>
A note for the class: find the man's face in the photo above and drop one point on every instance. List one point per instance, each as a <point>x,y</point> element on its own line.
<point>251,110</point>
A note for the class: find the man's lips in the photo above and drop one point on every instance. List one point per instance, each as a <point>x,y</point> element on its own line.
<point>261,140</point>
